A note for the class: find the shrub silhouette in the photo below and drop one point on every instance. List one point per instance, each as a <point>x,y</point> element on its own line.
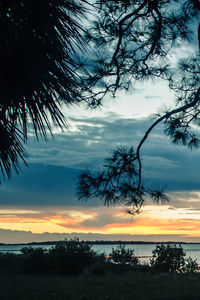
<point>10,261</point>
<point>6,259</point>
<point>35,260</point>
<point>191,265</point>
<point>70,257</point>
<point>168,258</point>
<point>121,255</point>
<point>101,265</point>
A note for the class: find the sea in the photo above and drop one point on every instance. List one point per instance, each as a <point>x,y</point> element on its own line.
<point>143,251</point>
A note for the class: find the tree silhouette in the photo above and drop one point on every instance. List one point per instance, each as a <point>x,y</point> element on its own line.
<point>134,40</point>
<point>43,65</point>
<point>39,41</point>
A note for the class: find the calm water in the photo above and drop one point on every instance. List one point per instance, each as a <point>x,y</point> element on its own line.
<point>146,250</point>
<point>192,250</point>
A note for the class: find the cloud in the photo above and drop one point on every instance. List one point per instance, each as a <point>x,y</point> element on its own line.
<point>40,184</point>
<point>20,236</point>
<point>150,97</point>
<point>158,219</point>
<point>54,166</point>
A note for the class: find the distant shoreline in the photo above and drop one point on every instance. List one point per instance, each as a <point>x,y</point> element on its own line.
<point>100,242</point>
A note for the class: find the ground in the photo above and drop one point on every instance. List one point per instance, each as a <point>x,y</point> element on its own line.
<point>112,286</point>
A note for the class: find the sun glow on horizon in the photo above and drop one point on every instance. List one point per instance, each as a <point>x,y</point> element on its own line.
<point>160,220</point>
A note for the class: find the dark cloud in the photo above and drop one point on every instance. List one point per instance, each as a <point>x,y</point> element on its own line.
<point>41,184</point>
<point>54,166</point>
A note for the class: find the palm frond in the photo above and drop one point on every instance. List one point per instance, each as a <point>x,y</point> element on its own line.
<point>38,45</point>
<point>12,151</point>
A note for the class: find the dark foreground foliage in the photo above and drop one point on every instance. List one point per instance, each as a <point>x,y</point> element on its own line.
<point>121,255</point>
<point>36,274</point>
<point>74,257</point>
<point>101,278</point>
<point>69,257</point>
<point>167,258</point>
<point>171,258</point>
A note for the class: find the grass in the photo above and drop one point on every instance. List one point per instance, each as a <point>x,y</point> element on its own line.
<point>112,286</point>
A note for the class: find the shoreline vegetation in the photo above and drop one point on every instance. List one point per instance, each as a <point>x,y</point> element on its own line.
<point>72,256</point>
<point>72,270</point>
<point>104,242</point>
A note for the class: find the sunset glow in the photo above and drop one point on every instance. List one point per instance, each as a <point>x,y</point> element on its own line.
<point>157,220</point>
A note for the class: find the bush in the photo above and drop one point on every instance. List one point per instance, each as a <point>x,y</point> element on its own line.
<point>168,258</point>
<point>121,255</point>
<point>35,260</point>
<point>70,257</point>
<point>10,261</point>
<point>191,265</point>
<point>6,259</point>
<point>100,258</point>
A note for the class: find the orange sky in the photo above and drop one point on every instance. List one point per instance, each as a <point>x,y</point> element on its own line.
<point>157,220</point>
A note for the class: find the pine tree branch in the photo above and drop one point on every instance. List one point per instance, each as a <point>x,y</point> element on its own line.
<point>159,120</point>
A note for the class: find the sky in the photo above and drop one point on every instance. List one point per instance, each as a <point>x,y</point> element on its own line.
<point>40,204</point>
